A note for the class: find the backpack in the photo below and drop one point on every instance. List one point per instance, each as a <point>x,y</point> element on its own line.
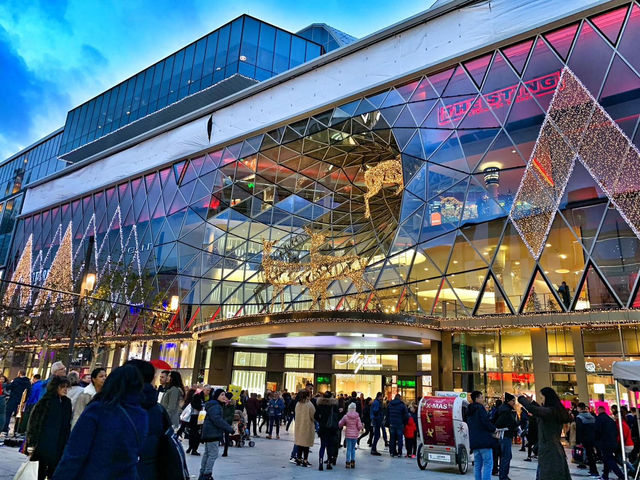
<point>171,457</point>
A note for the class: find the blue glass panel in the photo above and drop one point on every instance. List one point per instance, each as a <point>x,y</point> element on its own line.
<point>144,96</point>
<point>246,69</point>
<point>187,66</point>
<point>313,51</point>
<point>110,110</point>
<point>175,77</point>
<point>262,74</point>
<point>298,51</point>
<point>166,81</point>
<point>117,114</point>
<point>210,55</point>
<point>92,108</point>
<point>266,46</point>
<point>81,122</point>
<point>234,41</point>
<point>250,35</point>
<point>126,105</point>
<point>155,86</point>
<point>223,46</point>
<point>283,47</point>
<point>198,63</point>
<point>137,94</point>
<point>233,68</point>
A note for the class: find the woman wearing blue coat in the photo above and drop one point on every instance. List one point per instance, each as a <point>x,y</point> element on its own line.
<point>107,440</point>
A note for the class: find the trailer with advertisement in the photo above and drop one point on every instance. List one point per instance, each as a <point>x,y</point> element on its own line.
<point>444,434</point>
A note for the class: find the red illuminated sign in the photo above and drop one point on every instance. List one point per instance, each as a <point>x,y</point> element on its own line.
<point>539,87</point>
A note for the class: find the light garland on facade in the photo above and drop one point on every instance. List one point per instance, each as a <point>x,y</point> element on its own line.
<point>576,126</point>
<point>387,172</point>
<point>21,274</point>
<point>60,276</point>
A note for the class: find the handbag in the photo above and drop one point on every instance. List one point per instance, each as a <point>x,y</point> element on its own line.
<point>27,471</point>
<point>185,416</point>
<point>201,415</point>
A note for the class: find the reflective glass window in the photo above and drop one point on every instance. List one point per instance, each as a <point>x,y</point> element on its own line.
<point>298,51</point>
<point>223,47</point>
<point>235,39</point>
<point>165,84</point>
<point>266,46</point>
<point>209,59</point>
<point>198,63</point>
<point>312,51</point>
<point>250,35</point>
<point>282,49</point>
<point>249,359</point>
<point>175,77</point>
<point>187,66</point>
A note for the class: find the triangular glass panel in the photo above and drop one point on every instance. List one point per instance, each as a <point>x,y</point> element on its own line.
<point>418,184</point>
<point>500,89</point>
<point>410,166</point>
<point>420,110</point>
<point>467,286</point>
<point>377,99</point>
<point>414,147</point>
<point>477,68</point>
<point>390,114</point>
<point>485,237</point>
<point>407,89</point>
<point>439,116</point>
<point>523,126</point>
<point>475,143</point>
<point>394,98</point>
<point>410,203</point>
<point>479,115</point>
<point>464,257</point>
<point>617,254</point>
<point>426,292</point>
<point>540,298</point>
<point>594,294</point>
<point>581,189</point>
<point>365,107</point>
<point>441,178</point>
<point>438,250</point>
<point>440,80</point>
<point>538,79</point>
<point>450,155</point>
<point>562,39</point>
<point>610,23</point>
<point>592,49</point>
<point>448,305</point>
<point>460,84</point>
<point>517,54</point>
<point>432,139</point>
<point>424,91</point>
<point>402,136</point>
<point>491,301</point>
<point>617,96</point>
<point>628,45</point>
<point>405,119</point>
<point>585,220</point>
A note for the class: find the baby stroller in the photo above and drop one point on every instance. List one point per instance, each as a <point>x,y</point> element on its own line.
<point>241,435</point>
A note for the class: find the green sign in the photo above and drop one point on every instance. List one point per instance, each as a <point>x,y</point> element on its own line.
<point>407,383</point>
<point>323,380</point>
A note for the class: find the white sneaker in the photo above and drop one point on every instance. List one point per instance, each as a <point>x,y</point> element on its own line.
<point>292,460</point>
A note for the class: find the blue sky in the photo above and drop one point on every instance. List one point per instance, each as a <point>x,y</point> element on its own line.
<point>56,54</point>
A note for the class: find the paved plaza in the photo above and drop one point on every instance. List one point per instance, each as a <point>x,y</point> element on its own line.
<point>270,459</point>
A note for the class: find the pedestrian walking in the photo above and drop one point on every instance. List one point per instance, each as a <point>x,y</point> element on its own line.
<point>523,428</point>
<point>551,416</point>
<point>377,419</point>
<point>532,438</point>
<point>253,409</point>
<point>305,430</point>
<point>275,409</point>
<point>15,390</point>
<point>49,427</point>
<point>76,389</point>
<point>398,415</point>
<point>366,420</point>
<point>98,377</point>
<point>173,396</point>
<point>108,438</point>
<point>228,414</point>
<point>481,437</point>
<point>586,436</point>
<point>264,415</point>
<point>507,419</point>
<point>352,423</point>
<point>212,432</point>
<point>197,403</point>
<point>607,442</point>
<point>327,416</point>
<point>150,463</point>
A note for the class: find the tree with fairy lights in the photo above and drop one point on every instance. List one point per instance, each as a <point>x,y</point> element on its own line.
<point>13,330</point>
<point>120,294</point>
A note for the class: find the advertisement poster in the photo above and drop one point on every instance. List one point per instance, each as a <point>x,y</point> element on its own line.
<point>437,421</point>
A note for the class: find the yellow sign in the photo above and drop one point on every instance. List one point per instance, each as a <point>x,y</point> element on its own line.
<point>235,389</point>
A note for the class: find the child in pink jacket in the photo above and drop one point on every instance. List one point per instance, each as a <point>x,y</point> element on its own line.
<point>353,423</point>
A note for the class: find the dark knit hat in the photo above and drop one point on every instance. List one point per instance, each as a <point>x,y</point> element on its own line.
<point>217,393</point>
<point>508,397</point>
<point>229,395</point>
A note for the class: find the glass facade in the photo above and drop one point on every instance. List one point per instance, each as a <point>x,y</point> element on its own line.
<point>329,37</point>
<point>453,242</point>
<point>245,45</point>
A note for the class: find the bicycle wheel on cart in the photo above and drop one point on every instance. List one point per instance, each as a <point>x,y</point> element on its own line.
<point>463,459</point>
<point>422,457</point>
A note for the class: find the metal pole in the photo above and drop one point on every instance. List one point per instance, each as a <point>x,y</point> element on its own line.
<point>624,455</point>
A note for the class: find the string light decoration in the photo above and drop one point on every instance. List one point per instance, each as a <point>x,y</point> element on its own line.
<point>387,172</point>
<point>60,276</point>
<point>316,275</point>
<point>576,128</point>
<point>21,274</point>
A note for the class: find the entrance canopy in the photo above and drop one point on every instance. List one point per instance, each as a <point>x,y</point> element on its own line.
<point>628,374</point>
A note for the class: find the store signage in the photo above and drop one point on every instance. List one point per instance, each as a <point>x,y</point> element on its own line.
<point>406,383</point>
<point>590,367</point>
<point>538,87</point>
<point>437,421</point>
<point>358,360</point>
<point>323,380</point>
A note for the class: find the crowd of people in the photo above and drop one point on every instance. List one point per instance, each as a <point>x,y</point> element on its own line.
<point>543,430</point>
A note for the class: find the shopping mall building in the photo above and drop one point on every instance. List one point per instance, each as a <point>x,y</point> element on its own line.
<point>452,202</point>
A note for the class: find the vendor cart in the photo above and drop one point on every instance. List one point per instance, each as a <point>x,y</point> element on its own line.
<point>444,435</point>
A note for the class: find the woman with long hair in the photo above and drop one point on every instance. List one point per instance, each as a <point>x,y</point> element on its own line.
<point>173,396</point>
<point>551,417</point>
<point>305,428</point>
<point>49,426</point>
<point>107,441</point>
<point>98,377</point>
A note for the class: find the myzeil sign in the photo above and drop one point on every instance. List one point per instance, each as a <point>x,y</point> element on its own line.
<point>359,360</point>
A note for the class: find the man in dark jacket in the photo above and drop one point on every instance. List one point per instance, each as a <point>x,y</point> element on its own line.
<point>253,408</point>
<point>15,390</point>
<point>481,438</point>
<point>506,418</point>
<point>212,432</point>
<point>398,418</point>
<point>328,416</point>
<point>228,413</point>
<point>586,436</point>
<point>159,422</point>
<point>377,418</point>
<point>606,442</point>
<point>354,399</point>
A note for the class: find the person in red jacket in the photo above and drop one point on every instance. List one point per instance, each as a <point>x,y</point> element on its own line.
<point>410,437</point>
<point>626,431</point>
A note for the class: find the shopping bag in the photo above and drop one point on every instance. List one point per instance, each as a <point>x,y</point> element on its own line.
<point>201,414</point>
<point>186,414</point>
<point>579,454</point>
<point>27,471</point>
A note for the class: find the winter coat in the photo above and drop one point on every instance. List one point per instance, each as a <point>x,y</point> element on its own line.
<point>15,390</point>
<point>214,425</point>
<point>480,428</point>
<point>507,418</point>
<point>171,402</point>
<point>82,401</point>
<point>377,412</point>
<point>606,432</point>
<point>106,443</point>
<point>626,431</point>
<point>327,415</point>
<point>38,390</point>
<point>158,424</point>
<point>366,415</point>
<point>524,420</point>
<point>275,408</point>
<point>73,394</point>
<point>353,423</point>
<point>228,412</point>
<point>48,428</point>
<point>552,461</point>
<point>253,407</point>
<point>305,430</point>
<point>410,428</point>
<point>398,414</point>
<point>585,429</point>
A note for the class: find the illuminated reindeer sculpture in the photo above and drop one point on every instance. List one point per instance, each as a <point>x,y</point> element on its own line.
<point>387,172</point>
<point>316,275</point>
